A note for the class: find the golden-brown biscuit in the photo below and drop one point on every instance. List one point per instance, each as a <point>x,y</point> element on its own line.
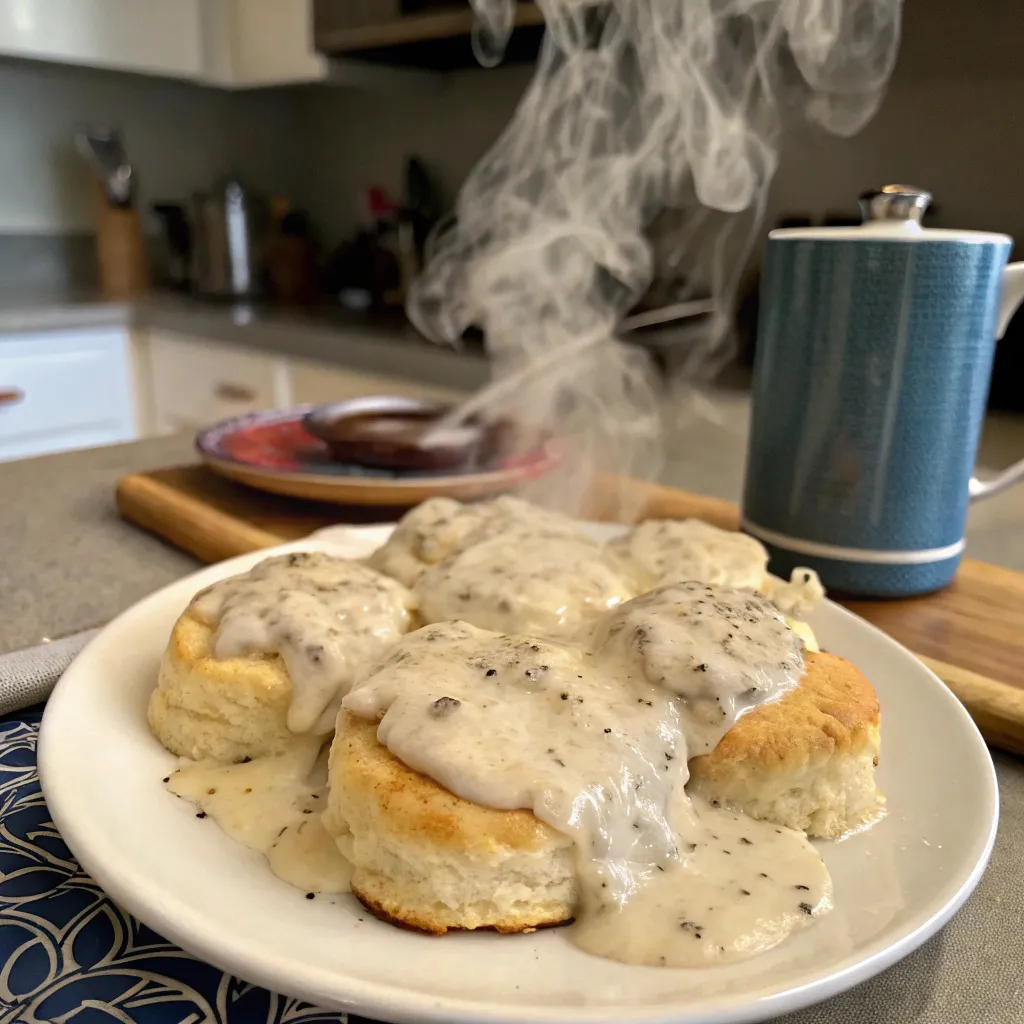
<point>807,760</point>
<point>429,860</point>
<point>221,708</point>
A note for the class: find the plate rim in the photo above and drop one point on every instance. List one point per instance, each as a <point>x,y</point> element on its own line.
<point>195,934</point>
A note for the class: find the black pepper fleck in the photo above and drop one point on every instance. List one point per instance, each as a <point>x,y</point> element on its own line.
<point>443,707</point>
<point>492,672</point>
<point>310,895</point>
<point>806,908</point>
<point>803,888</point>
<point>201,814</point>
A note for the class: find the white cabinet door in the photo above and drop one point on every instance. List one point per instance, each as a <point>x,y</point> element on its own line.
<point>62,390</point>
<point>320,382</point>
<point>194,383</point>
<point>251,43</point>
<point>161,37</point>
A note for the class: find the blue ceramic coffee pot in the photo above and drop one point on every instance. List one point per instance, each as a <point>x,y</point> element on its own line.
<point>874,355</point>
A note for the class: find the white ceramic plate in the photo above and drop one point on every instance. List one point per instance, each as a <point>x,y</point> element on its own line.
<point>895,884</point>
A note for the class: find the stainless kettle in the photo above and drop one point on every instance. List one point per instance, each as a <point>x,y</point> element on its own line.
<point>232,228</point>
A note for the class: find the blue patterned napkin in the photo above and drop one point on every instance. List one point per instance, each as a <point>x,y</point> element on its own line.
<point>69,954</point>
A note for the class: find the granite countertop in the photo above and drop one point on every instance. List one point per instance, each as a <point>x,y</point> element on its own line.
<point>372,344</point>
<point>67,562</point>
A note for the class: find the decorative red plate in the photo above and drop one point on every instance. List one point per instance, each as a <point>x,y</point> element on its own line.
<point>271,450</point>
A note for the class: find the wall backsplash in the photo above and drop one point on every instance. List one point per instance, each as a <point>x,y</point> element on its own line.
<point>180,137</point>
<point>357,139</point>
<point>952,122</point>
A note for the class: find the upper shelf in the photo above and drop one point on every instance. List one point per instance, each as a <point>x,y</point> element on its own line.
<point>438,40</point>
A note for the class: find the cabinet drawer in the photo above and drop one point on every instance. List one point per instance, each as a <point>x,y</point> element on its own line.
<point>316,382</point>
<point>195,383</point>
<point>64,390</point>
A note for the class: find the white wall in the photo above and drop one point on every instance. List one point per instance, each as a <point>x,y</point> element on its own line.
<point>179,136</point>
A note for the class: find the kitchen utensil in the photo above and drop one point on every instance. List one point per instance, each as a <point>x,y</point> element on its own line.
<point>232,230</point>
<point>388,432</point>
<point>121,258</point>
<point>291,259</point>
<point>103,150</point>
<point>968,634</point>
<point>874,355</point>
<point>177,235</point>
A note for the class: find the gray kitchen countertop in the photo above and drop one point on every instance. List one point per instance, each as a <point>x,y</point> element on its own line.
<point>67,562</point>
<point>386,345</point>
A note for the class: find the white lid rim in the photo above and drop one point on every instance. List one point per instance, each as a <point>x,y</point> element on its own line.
<point>875,234</point>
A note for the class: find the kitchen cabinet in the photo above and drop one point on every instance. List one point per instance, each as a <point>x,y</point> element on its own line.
<point>250,43</point>
<point>158,37</point>
<point>187,383</point>
<point>316,383</point>
<point>61,390</point>
<point>230,43</point>
<point>344,27</point>
<point>193,383</point>
<point>429,34</point>
<point>67,389</point>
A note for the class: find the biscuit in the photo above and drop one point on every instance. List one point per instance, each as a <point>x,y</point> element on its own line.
<point>427,859</point>
<point>221,708</point>
<point>807,760</point>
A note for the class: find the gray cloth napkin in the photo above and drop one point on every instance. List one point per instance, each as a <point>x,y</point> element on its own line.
<point>28,677</point>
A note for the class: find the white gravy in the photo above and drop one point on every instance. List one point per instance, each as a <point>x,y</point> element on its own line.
<point>797,597</point>
<point>722,651</point>
<point>519,582</point>
<point>327,617</point>
<point>679,550</point>
<point>594,739</point>
<point>273,805</point>
<point>441,528</point>
<point>739,887</point>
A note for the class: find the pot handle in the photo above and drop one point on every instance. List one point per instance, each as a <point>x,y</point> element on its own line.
<point>1013,294</point>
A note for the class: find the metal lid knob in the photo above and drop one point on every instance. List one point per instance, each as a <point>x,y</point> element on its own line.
<point>894,202</point>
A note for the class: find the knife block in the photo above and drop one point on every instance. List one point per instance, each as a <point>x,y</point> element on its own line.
<point>120,256</point>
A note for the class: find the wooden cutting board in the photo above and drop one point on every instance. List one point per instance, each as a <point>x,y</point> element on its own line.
<point>971,634</point>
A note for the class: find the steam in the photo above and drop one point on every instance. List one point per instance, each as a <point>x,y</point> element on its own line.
<point>648,137</point>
